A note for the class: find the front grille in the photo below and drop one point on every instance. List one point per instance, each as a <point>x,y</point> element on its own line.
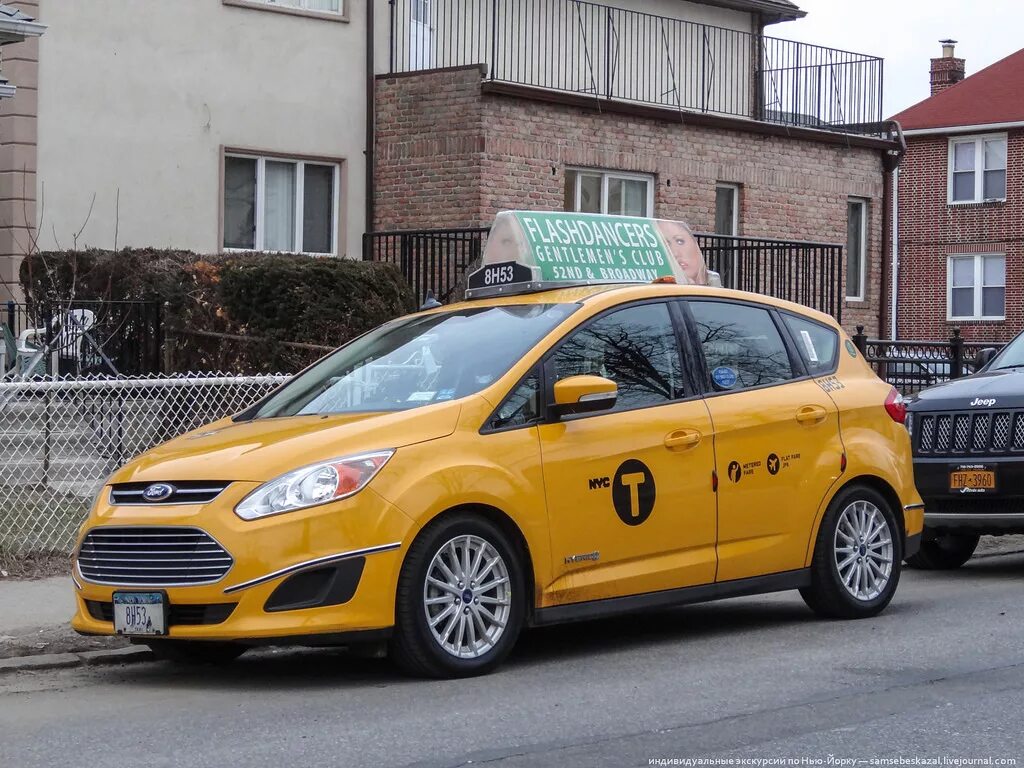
<point>179,615</point>
<point>152,556</point>
<point>969,433</point>
<point>184,492</point>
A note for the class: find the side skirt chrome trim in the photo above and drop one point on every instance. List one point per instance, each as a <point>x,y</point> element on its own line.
<point>908,507</point>
<point>326,560</point>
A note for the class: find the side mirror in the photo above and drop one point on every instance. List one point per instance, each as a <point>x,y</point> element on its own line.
<point>984,357</point>
<point>584,394</point>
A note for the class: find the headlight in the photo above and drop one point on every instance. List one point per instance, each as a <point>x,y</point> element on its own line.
<point>316,484</point>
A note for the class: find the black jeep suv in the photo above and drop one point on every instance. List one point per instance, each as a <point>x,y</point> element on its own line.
<point>968,441</point>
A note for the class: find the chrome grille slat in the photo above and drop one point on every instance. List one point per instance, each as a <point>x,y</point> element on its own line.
<point>154,556</point>
<point>969,433</point>
<point>185,492</point>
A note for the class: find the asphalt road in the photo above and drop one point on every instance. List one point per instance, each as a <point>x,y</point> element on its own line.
<point>939,675</point>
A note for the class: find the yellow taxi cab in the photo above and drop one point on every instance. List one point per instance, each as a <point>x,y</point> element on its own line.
<point>543,452</point>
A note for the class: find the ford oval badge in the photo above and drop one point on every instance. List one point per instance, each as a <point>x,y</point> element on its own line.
<point>158,492</point>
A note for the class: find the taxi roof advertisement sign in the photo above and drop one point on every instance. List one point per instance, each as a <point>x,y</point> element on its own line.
<point>537,250</point>
<point>571,247</point>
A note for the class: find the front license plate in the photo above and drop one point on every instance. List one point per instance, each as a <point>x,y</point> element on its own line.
<point>140,613</point>
<point>977,479</point>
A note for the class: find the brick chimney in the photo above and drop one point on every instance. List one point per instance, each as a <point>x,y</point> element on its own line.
<point>948,70</point>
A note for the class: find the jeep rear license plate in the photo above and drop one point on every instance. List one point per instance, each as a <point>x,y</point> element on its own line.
<point>140,613</point>
<point>972,478</point>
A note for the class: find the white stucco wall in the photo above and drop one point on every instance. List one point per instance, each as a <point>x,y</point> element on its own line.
<point>139,96</point>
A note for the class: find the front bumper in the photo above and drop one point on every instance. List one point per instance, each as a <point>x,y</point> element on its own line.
<point>1000,510</point>
<point>354,547</point>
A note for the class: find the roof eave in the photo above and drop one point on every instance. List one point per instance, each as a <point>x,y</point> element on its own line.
<point>21,28</point>
<point>771,12</point>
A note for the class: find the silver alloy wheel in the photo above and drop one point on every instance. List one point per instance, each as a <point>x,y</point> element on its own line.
<point>863,550</point>
<point>467,597</point>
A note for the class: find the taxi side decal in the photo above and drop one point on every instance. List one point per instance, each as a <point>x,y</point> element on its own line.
<point>633,492</point>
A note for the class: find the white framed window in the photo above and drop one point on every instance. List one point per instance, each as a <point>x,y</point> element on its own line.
<point>977,169</point>
<point>612,192</point>
<point>323,6</point>
<point>727,209</point>
<point>976,287</point>
<point>856,248</point>
<point>280,204</point>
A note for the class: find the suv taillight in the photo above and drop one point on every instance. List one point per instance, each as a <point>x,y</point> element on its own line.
<point>895,407</point>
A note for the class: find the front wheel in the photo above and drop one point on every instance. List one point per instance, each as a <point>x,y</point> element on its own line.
<point>460,602</point>
<point>943,551</point>
<point>857,556</point>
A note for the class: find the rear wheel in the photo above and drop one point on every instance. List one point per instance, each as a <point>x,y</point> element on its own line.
<point>460,602</point>
<point>195,652</point>
<point>857,556</point>
<point>943,551</point>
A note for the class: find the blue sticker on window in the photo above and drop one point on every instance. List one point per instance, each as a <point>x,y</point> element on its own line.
<point>446,394</point>
<point>724,377</point>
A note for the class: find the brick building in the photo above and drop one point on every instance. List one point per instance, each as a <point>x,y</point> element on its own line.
<point>960,203</point>
<point>767,143</point>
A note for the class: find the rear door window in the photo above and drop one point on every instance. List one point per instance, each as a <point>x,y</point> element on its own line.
<point>741,344</point>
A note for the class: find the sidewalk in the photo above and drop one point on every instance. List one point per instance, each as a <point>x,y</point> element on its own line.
<point>29,605</point>
<point>35,629</point>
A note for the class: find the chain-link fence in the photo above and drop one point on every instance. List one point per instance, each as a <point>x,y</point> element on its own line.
<point>60,439</point>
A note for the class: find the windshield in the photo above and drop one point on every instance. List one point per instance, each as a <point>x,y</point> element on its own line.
<point>1012,355</point>
<point>417,361</point>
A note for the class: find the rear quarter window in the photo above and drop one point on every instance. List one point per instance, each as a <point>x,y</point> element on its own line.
<point>817,344</point>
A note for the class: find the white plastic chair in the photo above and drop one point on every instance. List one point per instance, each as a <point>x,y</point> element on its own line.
<point>67,333</point>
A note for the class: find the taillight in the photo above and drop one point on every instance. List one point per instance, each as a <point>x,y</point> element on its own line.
<point>896,407</point>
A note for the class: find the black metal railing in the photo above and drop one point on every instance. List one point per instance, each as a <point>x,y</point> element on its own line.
<point>614,53</point>
<point>83,337</point>
<point>912,365</point>
<point>432,260</point>
<point>803,272</point>
<point>806,273</point>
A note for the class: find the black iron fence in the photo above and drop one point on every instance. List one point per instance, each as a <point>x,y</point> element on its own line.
<point>613,53</point>
<point>432,260</point>
<point>804,272</point>
<point>81,338</point>
<point>807,273</point>
<point>914,365</point>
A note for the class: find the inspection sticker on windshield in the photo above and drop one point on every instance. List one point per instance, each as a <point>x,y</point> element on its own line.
<point>446,394</point>
<point>420,397</point>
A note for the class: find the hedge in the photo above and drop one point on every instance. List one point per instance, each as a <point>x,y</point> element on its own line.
<point>268,297</point>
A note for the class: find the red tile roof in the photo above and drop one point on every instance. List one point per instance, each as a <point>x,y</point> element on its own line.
<point>993,95</point>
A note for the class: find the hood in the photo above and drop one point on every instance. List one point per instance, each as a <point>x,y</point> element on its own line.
<point>990,389</point>
<point>263,449</point>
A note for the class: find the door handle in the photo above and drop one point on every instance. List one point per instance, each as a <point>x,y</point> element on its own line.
<point>683,439</point>
<point>811,414</point>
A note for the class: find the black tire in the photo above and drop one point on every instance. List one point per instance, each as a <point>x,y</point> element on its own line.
<point>413,645</point>
<point>943,551</point>
<point>827,595</point>
<point>195,651</point>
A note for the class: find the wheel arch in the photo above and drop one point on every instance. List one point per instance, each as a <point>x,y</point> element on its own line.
<point>877,484</point>
<point>510,528</point>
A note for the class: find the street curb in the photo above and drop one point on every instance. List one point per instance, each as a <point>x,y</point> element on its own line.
<point>45,661</point>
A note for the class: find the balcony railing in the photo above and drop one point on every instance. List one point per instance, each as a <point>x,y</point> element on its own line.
<point>612,53</point>
<point>436,260</point>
